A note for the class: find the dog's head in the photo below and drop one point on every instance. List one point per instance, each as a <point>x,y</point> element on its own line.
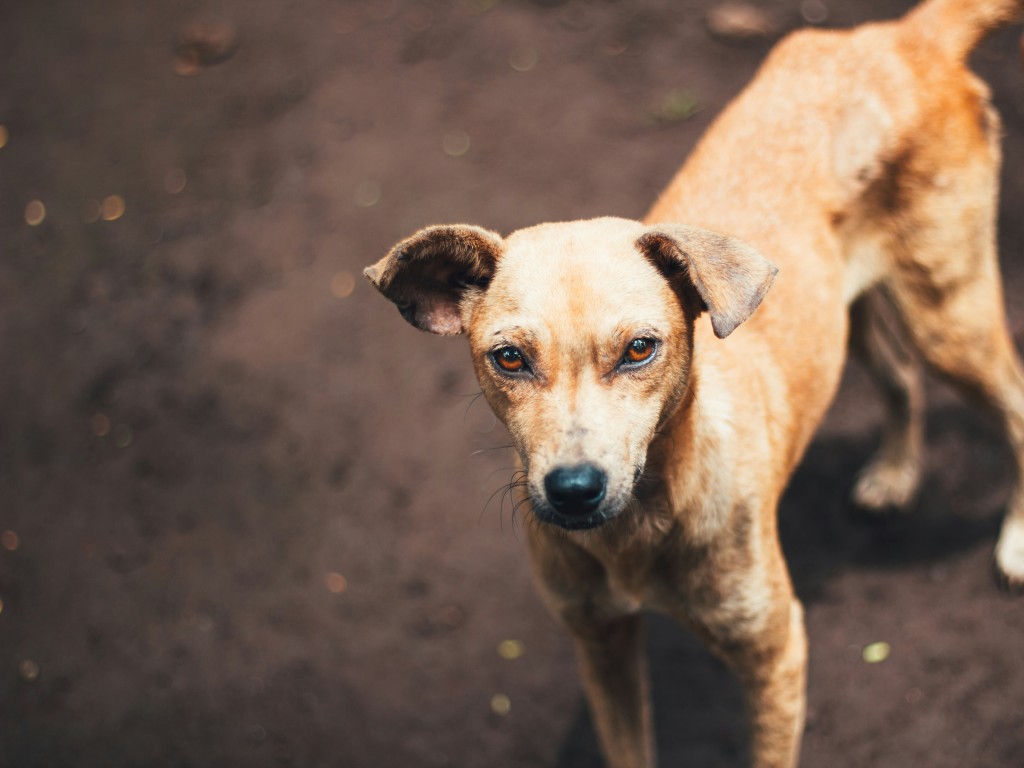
<point>581,335</point>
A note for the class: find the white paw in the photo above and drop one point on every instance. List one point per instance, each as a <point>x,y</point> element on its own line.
<point>1010,553</point>
<point>883,485</point>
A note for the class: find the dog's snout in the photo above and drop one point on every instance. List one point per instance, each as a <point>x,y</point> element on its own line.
<point>576,490</point>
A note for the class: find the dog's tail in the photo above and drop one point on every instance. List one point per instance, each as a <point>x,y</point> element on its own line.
<point>957,26</point>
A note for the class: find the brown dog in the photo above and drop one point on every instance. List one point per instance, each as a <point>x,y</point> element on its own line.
<point>865,165</point>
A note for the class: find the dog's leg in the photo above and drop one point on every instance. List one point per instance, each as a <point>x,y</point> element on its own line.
<point>946,284</point>
<point>891,479</point>
<point>964,336</point>
<point>609,639</point>
<point>613,669</point>
<point>753,622</point>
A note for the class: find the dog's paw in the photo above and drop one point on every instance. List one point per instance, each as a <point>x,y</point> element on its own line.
<point>883,486</point>
<point>1010,555</point>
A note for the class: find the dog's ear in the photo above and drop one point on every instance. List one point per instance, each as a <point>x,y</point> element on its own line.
<point>729,276</point>
<point>429,275</point>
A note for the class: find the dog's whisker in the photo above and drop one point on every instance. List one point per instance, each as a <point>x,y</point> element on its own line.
<point>474,396</point>
<point>479,451</point>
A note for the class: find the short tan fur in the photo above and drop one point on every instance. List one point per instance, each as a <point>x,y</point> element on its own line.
<point>661,379</point>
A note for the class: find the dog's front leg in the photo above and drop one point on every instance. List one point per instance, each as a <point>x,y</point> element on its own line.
<point>614,673</point>
<point>776,695</point>
<point>609,638</point>
<point>756,625</point>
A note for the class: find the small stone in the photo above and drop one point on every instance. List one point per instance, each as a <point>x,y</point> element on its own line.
<point>522,59</point>
<point>510,649</point>
<point>876,652</point>
<point>501,704</point>
<point>123,435</point>
<point>740,22</point>
<point>29,670</point>
<point>202,44</point>
<point>35,213</point>
<point>455,143</point>
<point>676,106</point>
<point>813,11</point>
<point>100,424</point>
<point>368,194</point>
<point>113,208</point>
<point>335,582</point>
<point>10,540</point>
<point>342,285</point>
<point>174,181</point>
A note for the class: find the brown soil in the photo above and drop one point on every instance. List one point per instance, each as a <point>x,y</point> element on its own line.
<point>202,419</point>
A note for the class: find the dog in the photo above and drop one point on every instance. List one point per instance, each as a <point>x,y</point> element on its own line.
<point>662,378</point>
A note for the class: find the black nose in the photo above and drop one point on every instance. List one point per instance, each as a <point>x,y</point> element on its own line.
<point>576,490</point>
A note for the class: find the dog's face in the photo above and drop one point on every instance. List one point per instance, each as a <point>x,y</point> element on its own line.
<point>581,335</point>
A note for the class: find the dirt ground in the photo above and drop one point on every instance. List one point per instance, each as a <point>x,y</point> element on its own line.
<point>247,511</point>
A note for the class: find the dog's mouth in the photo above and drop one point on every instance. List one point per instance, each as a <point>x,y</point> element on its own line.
<point>544,512</point>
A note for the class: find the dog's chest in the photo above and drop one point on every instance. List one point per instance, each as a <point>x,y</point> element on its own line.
<point>643,571</point>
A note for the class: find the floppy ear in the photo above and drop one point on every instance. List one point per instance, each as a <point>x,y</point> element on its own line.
<point>430,274</point>
<point>730,277</point>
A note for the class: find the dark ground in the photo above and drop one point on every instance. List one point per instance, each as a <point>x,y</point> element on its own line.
<point>200,421</point>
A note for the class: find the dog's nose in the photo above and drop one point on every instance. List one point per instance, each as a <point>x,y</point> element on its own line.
<point>576,490</point>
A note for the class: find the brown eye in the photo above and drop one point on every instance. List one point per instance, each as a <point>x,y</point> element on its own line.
<point>638,351</point>
<point>509,359</point>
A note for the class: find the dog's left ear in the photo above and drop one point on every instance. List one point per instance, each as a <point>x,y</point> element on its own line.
<point>729,276</point>
<point>431,274</point>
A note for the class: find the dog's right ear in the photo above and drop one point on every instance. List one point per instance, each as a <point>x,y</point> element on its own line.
<point>430,275</point>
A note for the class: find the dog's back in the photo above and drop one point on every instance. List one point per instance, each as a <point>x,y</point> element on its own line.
<point>863,130</point>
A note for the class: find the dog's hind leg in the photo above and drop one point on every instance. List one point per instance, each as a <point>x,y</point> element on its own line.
<point>963,335</point>
<point>946,281</point>
<point>891,479</point>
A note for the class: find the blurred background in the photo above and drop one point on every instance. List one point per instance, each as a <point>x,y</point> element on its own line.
<point>247,513</point>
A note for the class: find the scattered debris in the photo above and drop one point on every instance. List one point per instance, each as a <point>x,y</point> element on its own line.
<point>501,704</point>
<point>511,649</point>
<point>35,212</point>
<point>677,105</point>
<point>740,22</point>
<point>876,652</point>
<point>813,11</point>
<point>202,44</point>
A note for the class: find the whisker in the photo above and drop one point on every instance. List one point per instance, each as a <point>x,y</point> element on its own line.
<point>478,451</point>
<point>474,397</point>
<point>517,480</point>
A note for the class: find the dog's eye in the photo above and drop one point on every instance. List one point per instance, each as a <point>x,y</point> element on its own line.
<point>509,359</point>
<point>638,352</point>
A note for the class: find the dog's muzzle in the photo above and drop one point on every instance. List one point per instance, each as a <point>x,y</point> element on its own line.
<point>573,496</point>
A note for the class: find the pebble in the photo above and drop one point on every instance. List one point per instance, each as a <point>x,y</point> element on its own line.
<point>740,22</point>
<point>876,652</point>
<point>202,44</point>
<point>35,212</point>
<point>813,11</point>
<point>510,649</point>
<point>501,704</point>
<point>29,670</point>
